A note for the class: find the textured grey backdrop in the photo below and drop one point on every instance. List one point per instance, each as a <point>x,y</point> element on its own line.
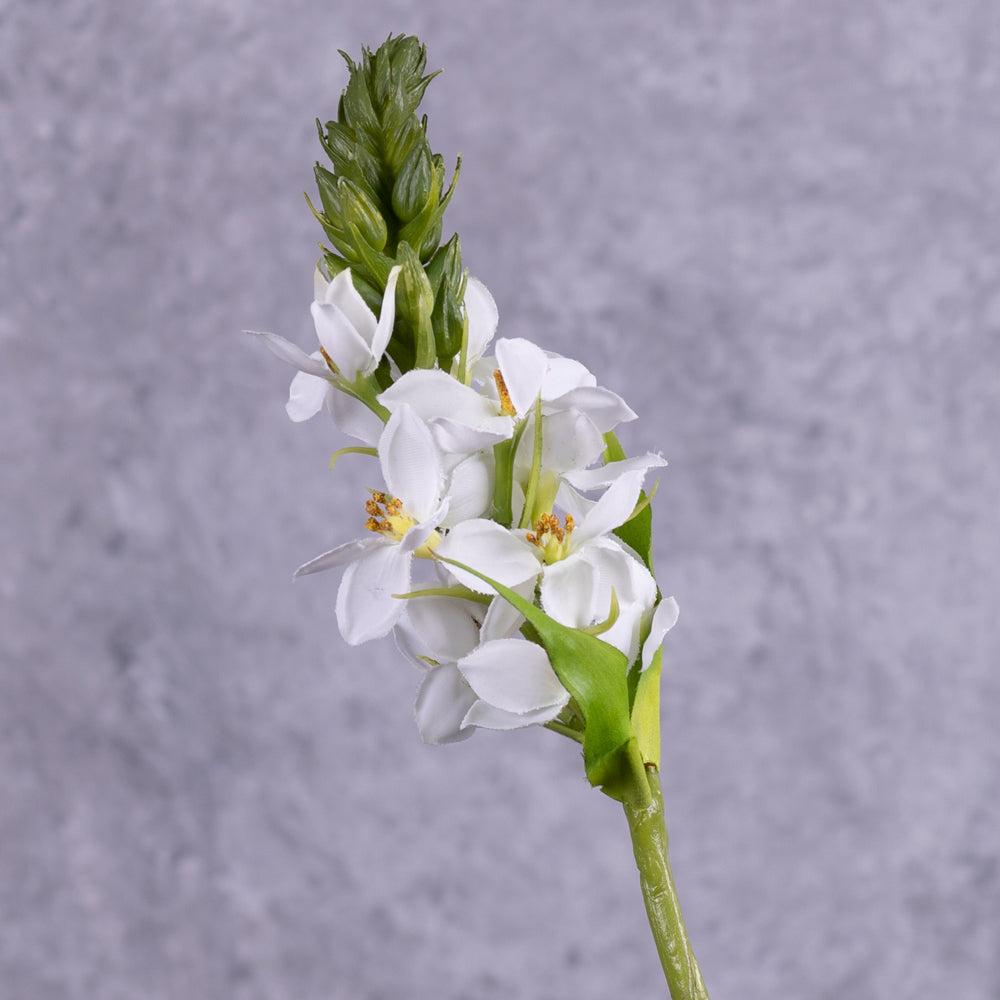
<point>774,227</point>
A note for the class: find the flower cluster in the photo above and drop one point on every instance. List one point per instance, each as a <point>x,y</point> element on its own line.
<point>497,472</point>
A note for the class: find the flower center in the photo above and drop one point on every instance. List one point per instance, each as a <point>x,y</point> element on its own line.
<point>506,406</point>
<point>552,537</point>
<point>387,516</point>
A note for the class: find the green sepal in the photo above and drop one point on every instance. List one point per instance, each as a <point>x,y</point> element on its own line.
<point>637,532</point>
<point>594,674</point>
<point>646,708</point>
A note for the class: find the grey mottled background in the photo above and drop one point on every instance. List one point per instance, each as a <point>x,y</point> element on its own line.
<point>776,227</point>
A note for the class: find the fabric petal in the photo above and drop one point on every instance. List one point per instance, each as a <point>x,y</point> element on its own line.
<point>443,701</point>
<point>470,489</point>
<point>522,365</point>
<point>568,590</point>
<point>569,441</point>
<point>340,556</point>
<point>387,316</point>
<point>664,619</point>
<point>410,463</point>
<point>605,408</point>
<point>484,716</point>
<point>455,439</point>
<point>491,549</point>
<point>434,394</point>
<point>444,626</point>
<point>346,347</point>
<point>354,418</point>
<point>366,608</point>
<point>291,354</point>
<point>514,675</point>
<point>306,396</point>
<point>341,293</point>
<point>605,475</point>
<point>502,619</point>
<point>483,317</point>
<point>562,375</point>
<point>612,509</point>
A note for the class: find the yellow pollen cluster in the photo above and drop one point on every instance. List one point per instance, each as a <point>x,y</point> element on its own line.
<point>381,509</point>
<point>551,536</point>
<point>506,406</point>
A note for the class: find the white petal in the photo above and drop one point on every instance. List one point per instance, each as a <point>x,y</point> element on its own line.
<point>354,418</point>
<point>445,627</point>
<point>612,509</point>
<point>604,475</point>
<point>502,619</point>
<point>513,675</point>
<point>484,716</point>
<point>455,439</point>
<point>604,407</point>
<point>366,608</point>
<point>470,489</point>
<point>443,701</point>
<point>574,503</point>
<point>340,556</point>
<point>483,317</point>
<point>434,394</point>
<point>562,375</point>
<point>491,549</point>
<point>387,316</point>
<point>664,619</point>
<point>408,643</point>
<point>568,590</point>
<point>522,366</point>
<point>410,463</point>
<point>340,340</point>
<point>618,568</point>
<point>320,285</point>
<point>419,533</point>
<point>291,355</point>
<point>341,293</point>
<point>569,441</point>
<point>306,396</point>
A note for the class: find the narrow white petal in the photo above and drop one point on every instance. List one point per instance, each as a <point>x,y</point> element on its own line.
<point>340,556</point>
<point>483,317</point>
<point>470,489</point>
<point>522,365</point>
<point>605,408</point>
<point>513,675</point>
<point>491,549</point>
<point>612,509</point>
<point>341,293</point>
<point>443,702</point>
<point>336,333</point>
<point>410,463</point>
<point>445,628</point>
<point>483,716</point>
<point>320,285</point>
<point>366,608</point>
<point>568,592</point>
<point>290,354</point>
<point>387,316</point>
<point>306,396</point>
<point>605,475</point>
<point>354,418</point>
<point>664,619</point>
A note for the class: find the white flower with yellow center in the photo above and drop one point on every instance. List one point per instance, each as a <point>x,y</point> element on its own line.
<point>403,523</point>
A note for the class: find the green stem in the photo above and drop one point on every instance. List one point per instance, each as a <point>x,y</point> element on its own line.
<point>643,802</point>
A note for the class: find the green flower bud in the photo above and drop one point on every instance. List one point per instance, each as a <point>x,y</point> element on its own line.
<point>448,323</point>
<point>412,189</point>
<point>359,210</point>
<point>446,265</point>
<point>415,295</point>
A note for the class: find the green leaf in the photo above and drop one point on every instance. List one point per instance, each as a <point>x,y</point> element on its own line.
<point>594,674</point>
<point>646,709</point>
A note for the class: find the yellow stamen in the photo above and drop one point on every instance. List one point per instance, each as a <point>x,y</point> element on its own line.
<point>552,537</point>
<point>329,361</point>
<point>506,406</point>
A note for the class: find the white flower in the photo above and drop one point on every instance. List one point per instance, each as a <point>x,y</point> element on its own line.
<point>403,522</point>
<point>484,676</point>
<point>352,342</point>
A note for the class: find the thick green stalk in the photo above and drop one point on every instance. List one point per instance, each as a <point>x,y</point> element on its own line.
<point>643,802</point>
